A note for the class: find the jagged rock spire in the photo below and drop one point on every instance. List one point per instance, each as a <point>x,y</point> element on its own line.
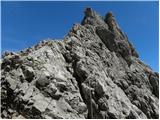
<point>89,16</point>
<point>113,26</point>
<point>89,12</point>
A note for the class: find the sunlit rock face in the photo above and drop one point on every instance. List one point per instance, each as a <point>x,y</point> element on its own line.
<point>94,73</point>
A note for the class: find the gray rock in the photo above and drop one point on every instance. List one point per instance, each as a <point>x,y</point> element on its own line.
<point>154,81</point>
<point>61,86</point>
<point>13,83</point>
<point>94,72</point>
<point>51,89</point>
<point>40,105</point>
<point>29,73</point>
<point>42,81</point>
<point>4,114</point>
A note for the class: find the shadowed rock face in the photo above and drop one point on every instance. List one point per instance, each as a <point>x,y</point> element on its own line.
<point>93,73</point>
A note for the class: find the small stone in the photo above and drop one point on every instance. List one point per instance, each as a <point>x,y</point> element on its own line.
<point>68,57</point>
<point>42,81</point>
<point>14,115</point>
<point>62,86</point>
<point>10,111</point>
<point>56,96</point>
<point>20,117</point>
<point>51,89</point>
<point>7,68</point>
<point>4,114</point>
<point>12,83</point>
<point>82,107</point>
<point>102,102</point>
<point>40,105</point>
<point>30,102</point>
<point>22,78</point>
<point>29,73</point>
<point>136,102</point>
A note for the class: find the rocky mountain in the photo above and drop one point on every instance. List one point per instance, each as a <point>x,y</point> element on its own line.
<point>94,72</point>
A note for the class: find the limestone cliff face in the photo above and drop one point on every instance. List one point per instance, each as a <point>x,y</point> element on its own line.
<point>94,72</point>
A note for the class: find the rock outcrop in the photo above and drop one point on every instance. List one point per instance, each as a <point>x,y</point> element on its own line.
<point>94,72</point>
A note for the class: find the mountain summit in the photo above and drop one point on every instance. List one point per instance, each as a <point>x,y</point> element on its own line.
<point>94,72</point>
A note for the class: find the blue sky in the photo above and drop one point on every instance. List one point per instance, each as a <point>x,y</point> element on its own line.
<point>26,23</point>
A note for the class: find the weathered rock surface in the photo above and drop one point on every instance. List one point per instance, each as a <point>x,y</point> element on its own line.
<point>94,72</point>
